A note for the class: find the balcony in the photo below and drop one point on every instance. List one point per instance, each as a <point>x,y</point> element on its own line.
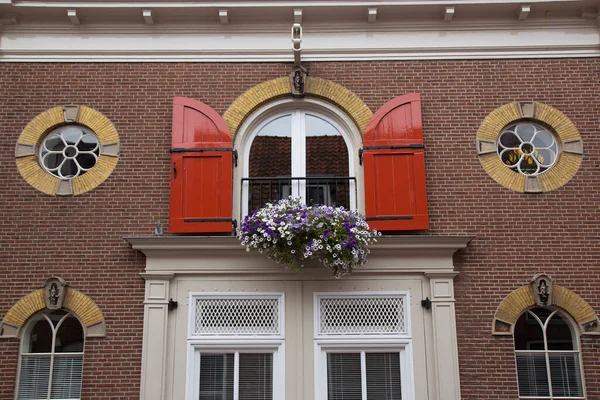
<point>315,190</point>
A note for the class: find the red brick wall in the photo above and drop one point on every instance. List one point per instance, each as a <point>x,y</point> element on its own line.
<point>80,238</point>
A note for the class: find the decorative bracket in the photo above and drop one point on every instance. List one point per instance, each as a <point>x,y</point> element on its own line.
<point>297,43</point>
<point>299,73</point>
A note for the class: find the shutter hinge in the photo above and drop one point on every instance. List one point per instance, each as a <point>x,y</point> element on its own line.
<point>235,158</point>
<point>172,305</point>
<point>426,304</point>
<point>234,224</point>
<point>360,155</point>
<point>174,170</point>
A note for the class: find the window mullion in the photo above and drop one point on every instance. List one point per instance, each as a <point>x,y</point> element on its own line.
<point>299,154</point>
<point>547,353</point>
<point>236,376</point>
<point>363,374</point>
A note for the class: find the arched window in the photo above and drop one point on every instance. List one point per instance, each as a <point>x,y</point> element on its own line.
<point>51,357</point>
<point>547,355</point>
<point>302,148</point>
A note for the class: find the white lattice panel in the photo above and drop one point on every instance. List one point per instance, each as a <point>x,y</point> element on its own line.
<point>359,315</point>
<point>237,316</point>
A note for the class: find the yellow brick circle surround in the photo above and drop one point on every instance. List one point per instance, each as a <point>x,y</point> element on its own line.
<point>27,149</point>
<point>569,141</point>
<point>279,87</point>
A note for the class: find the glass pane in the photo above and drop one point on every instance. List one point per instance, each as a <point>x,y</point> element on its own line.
<point>40,338</point>
<point>34,377</point>
<point>69,338</point>
<point>532,374</point>
<point>383,376</point>
<point>66,377</point>
<point>72,134</point>
<point>525,131</point>
<point>271,159</point>
<point>326,156</point>
<point>216,376</point>
<point>256,377</point>
<point>558,334</point>
<point>565,375</point>
<point>343,376</point>
<point>528,333</point>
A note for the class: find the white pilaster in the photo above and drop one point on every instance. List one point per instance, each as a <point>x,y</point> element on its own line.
<point>445,349</point>
<point>154,348</point>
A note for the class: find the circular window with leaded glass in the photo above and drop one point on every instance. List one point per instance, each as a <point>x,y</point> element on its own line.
<point>529,147</point>
<point>67,150</point>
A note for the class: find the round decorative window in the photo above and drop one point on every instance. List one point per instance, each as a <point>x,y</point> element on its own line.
<point>67,150</point>
<point>529,147</point>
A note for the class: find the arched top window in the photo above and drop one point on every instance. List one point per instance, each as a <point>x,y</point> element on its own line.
<point>304,148</point>
<point>51,357</point>
<point>547,355</point>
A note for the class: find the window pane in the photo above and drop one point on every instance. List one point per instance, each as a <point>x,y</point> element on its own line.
<point>69,338</point>
<point>40,338</point>
<point>256,377</point>
<point>343,376</point>
<point>565,375</point>
<point>66,377</point>
<point>528,333</point>
<point>558,334</point>
<point>271,157</point>
<point>383,376</point>
<point>532,374</point>
<point>216,376</point>
<point>326,155</point>
<point>33,380</point>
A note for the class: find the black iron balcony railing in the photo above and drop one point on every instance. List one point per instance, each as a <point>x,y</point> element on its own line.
<point>315,190</point>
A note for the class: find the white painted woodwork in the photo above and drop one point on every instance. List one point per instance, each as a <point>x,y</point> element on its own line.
<point>336,31</point>
<point>148,18</point>
<point>180,266</point>
<point>372,15</point>
<point>154,345</point>
<point>297,15</point>
<point>445,368</point>
<point>524,12</point>
<point>72,14</point>
<point>449,14</point>
<point>224,17</point>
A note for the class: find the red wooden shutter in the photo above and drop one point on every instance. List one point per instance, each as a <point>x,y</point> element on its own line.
<point>201,170</point>
<point>394,167</point>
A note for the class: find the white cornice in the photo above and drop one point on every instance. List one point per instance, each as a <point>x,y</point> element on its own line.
<point>191,255</point>
<point>259,4</point>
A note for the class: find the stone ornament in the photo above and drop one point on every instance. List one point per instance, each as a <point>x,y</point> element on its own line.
<point>298,81</point>
<point>542,289</point>
<point>55,289</point>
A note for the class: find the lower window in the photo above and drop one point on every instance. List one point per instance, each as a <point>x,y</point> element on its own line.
<point>51,358</point>
<point>547,356</point>
<point>243,376</point>
<point>364,376</point>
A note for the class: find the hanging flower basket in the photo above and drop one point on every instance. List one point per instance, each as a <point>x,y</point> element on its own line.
<point>289,233</point>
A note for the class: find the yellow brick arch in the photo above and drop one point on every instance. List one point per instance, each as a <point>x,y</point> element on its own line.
<point>78,303</point>
<point>280,87</point>
<point>522,299</point>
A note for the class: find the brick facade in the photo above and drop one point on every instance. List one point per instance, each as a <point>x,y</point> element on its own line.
<point>81,238</point>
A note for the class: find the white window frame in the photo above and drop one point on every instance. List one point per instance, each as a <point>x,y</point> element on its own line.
<point>375,343</point>
<point>546,352</point>
<point>232,343</point>
<point>308,105</point>
<point>52,355</point>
